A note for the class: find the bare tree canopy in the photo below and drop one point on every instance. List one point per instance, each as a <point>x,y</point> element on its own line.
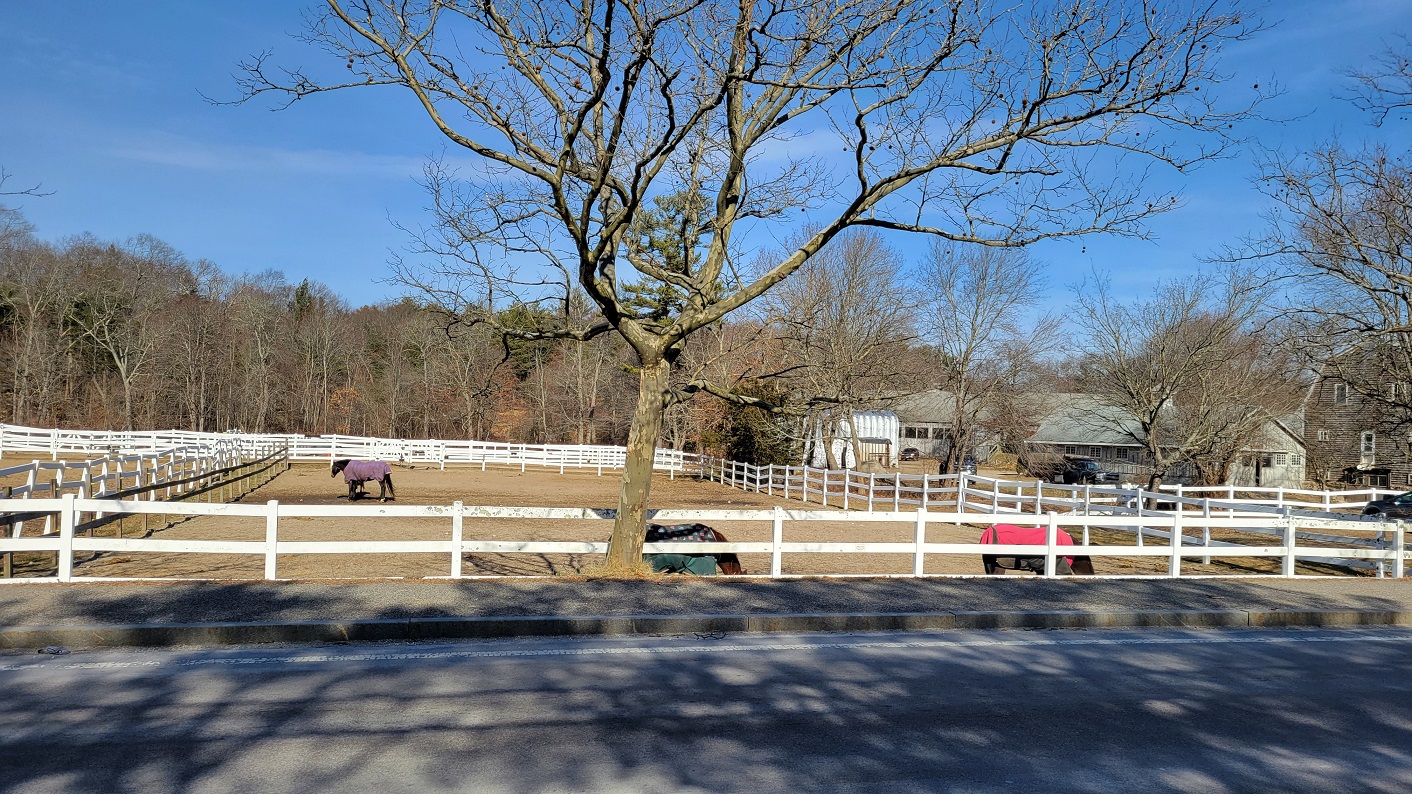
<point>1181,374</point>
<point>1340,225</point>
<point>972,121</point>
<point>977,314</point>
<point>1385,88</point>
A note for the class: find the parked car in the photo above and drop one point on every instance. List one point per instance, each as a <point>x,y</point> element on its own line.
<point>1080,471</point>
<point>910,453</point>
<point>1399,506</point>
<point>968,465</point>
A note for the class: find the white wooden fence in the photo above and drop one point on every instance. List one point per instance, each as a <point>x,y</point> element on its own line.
<point>68,541</point>
<point>853,496</point>
<point>15,438</point>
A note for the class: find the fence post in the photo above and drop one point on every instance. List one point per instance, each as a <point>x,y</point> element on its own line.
<point>825,500</point>
<point>1399,548</point>
<point>271,537</point>
<point>1038,497</point>
<point>1174,565</point>
<point>961,492</point>
<point>1139,515</point>
<point>847,486</point>
<point>66,538</point>
<point>458,513</point>
<point>776,538</point>
<point>1051,543</point>
<point>926,490</point>
<point>995,495</point>
<point>1206,528</point>
<point>921,539</point>
<point>872,483</point>
<point>1287,569</point>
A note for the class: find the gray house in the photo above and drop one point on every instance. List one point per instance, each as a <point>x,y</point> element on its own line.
<point>1081,425</point>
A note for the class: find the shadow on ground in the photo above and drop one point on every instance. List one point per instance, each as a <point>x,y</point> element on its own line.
<point>189,602</point>
<point>1086,719</point>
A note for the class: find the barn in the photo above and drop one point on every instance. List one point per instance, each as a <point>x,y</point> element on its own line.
<point>877,431</point>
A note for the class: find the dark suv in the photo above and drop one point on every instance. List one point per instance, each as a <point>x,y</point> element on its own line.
<point>1079,471</point>
<point>1399,506</point>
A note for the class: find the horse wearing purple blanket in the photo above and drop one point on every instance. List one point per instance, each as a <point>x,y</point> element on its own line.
<point>357,472</point>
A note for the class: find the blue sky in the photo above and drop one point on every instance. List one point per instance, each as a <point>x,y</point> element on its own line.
<point>101,102</point>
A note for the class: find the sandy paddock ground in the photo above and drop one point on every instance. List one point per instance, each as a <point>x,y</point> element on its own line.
<point>310,484</point>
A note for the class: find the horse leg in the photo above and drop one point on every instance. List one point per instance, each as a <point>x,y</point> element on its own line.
<point>991,567</point>
<point>352,491</point>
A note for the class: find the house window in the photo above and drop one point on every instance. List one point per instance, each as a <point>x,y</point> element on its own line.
<point>1122,453</point>
<point>1369,443</point>
<point>1323,435</point>
<point>1295,459</point>
<point>1095,452</point>
<point>1340,394</point>
<point>1281,459</point>
<point>1070,449</point>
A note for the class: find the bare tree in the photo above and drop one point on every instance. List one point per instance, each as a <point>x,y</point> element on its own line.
<point>1177,374</point>
<point>1340,225</point>
<point>37,294</point>
<point>842,323</point>
<point>977,314</point>
<point>124,293</point>
<point>948,117</point>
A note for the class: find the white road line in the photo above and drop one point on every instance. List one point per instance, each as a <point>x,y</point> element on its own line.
<point>714,649</point>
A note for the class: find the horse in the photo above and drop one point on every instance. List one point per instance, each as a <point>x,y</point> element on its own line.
<point>357,472</point>
<point>1031,536</point>
<point>690,563</point>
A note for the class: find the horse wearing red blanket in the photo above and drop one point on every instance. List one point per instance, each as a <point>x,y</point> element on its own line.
<point>357,472</point>
<point>1031,536</point>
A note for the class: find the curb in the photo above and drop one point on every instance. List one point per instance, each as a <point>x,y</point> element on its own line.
<point>314,631</point>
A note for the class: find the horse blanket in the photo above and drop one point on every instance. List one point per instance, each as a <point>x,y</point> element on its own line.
<point>699,564</point>
<point>365,470</point>
<point>1026,536</point>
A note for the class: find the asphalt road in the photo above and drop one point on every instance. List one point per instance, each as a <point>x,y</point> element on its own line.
<point>948,711</point>
<point>1091,711</point>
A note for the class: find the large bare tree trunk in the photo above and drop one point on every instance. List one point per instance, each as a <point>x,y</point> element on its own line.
<point>625,548</point>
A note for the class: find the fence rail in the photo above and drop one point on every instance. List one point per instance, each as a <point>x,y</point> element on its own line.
<point>15,438</point>
<point>68,540</point>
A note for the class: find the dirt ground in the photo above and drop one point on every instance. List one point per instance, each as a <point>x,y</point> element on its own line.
<point>310,484</point>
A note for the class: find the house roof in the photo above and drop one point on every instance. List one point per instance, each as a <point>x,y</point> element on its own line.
<point>1083,419</point>
<point>931,406</point>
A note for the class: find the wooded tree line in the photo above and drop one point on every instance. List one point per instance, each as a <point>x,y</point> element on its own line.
<point>135,335</point>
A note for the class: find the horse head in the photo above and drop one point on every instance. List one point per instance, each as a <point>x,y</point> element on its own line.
<point>337,466</point>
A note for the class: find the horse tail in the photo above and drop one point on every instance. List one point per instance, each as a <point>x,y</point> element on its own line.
<point>387,478</point>
<point>729,562</point>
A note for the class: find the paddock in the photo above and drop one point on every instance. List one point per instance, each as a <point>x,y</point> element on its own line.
<point>309,485</point>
